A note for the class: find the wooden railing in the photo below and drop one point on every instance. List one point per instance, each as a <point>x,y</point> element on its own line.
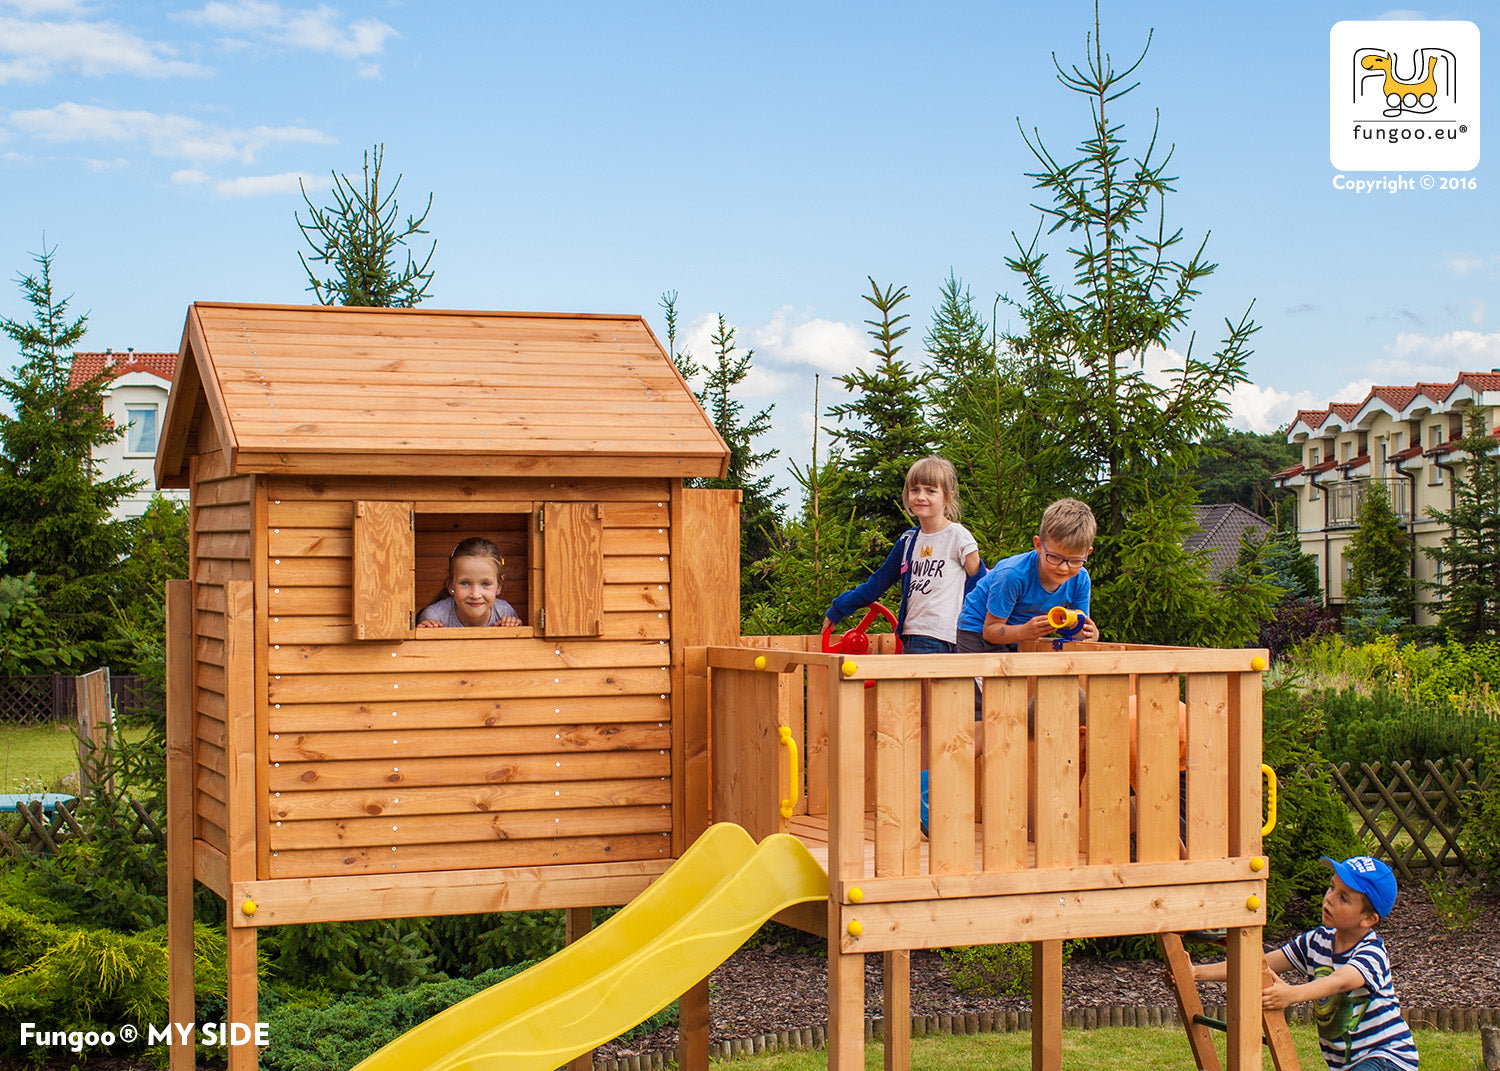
<point>1041,795</point>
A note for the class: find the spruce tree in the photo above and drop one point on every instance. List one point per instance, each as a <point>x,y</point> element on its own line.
<point>1379,557</point>
<point>726,370</point>
<point>882,430</point>
<point>1469,592</point>
<point>55,518</point>
<point>361,238</point>
<point>1132,438</point>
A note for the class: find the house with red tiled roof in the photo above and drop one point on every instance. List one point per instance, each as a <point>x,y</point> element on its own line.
<point>135,400</point>
<point>1399,439</point>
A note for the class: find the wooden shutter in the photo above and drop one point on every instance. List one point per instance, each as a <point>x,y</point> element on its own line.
<point>572,569</point>
<point>384,570</point>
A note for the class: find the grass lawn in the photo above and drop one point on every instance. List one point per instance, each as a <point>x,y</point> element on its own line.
<point>1105,1049</point>
<point>34,758</point>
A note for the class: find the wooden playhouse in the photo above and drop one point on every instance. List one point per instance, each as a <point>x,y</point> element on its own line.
<point>332,762</point>
<point>328,761</point>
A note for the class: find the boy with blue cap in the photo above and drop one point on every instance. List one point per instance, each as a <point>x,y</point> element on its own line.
<point>1358,1015</point>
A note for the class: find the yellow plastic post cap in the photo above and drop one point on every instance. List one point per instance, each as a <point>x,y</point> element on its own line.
<point>1257,663</point>
<point>760,661</point>
<point>248,907</point>
<point>1258,863</point>
<point>1253,903</point>
<point>856,927</point>
<point>849,669</point>
<point>856,894</point>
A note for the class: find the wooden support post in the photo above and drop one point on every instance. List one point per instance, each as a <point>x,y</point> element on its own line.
<point>1243,1014</point>
<point>577,922</point>
<point>1046,1005</point>
<point>693,1029</point>
<point>244,999</point>
<point>180,816</point>
<point>239,662</point>
<point>897,1011</point>
<point>846,857</point>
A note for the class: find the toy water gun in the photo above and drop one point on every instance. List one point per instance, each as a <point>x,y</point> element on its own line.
<point>1067,622</point>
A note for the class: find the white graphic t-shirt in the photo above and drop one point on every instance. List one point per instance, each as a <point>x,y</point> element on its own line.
<point>935,582</point>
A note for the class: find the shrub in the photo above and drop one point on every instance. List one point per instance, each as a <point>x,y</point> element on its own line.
<point>337,1034</point>
<point>994,970</point>
<point>1383,726</point>
<point>72,977</point>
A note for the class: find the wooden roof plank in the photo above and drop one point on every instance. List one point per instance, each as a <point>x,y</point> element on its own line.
<point>291,388</point>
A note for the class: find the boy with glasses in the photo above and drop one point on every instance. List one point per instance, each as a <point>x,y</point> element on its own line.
<point>1011,601</point>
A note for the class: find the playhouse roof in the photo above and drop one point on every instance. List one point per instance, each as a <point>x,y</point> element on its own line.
<point>372,391</point>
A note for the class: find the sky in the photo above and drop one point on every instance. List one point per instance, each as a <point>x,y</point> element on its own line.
<point>763,160</point>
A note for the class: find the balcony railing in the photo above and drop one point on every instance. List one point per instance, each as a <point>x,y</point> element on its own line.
<point>1344,499</point>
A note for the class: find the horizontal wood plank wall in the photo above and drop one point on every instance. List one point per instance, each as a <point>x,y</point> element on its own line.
<point>453,749</point>
<point>221,522</point>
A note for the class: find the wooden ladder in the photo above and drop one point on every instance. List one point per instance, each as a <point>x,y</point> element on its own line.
<point>1198,1025</point>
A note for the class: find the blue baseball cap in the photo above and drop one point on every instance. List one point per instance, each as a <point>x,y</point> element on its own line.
<point>1370,876</point>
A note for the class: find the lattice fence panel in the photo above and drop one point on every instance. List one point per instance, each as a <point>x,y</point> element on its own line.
<point>29,830</point>
<point>1415,812</point>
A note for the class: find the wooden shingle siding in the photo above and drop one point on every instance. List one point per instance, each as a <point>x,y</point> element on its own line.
<point>445,749</point>
<point>220,520</point>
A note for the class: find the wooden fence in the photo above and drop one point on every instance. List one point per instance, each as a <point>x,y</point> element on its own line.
<point>1415,812</point>
<point>50,697</point>
<point>29,830</point>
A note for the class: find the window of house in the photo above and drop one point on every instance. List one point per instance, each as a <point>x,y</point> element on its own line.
<point>1434,435</point>
<point>140,429</point>
<point>552,573</point>
<point>1344,450</point>
<point>1312,456</point>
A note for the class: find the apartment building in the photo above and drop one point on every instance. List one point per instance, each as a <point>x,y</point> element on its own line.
<point>1403,439</point>
<point>134,400</point>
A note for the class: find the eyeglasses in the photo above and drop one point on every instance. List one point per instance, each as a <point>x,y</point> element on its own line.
<point>1060,561</point>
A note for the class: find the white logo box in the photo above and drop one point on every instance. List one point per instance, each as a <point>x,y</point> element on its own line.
<point>1403,96</point>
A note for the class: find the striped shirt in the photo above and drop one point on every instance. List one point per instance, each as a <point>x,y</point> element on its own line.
<point>1362,1022</point>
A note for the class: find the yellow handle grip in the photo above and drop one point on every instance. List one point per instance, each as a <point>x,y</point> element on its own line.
<point>1270,776</point>
<point>785,733</point>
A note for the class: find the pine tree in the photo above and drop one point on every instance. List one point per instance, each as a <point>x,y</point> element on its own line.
<point>1469,593</point>
<point>815,556</point>
<point>1133,440</point>
<point>360,237</point>
<point>882,430</point>
<point>1379,557</point>
<point>54,516</point>
<point>758,507</point>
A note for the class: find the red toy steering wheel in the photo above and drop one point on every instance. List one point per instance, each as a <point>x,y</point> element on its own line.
<point>856,640</point>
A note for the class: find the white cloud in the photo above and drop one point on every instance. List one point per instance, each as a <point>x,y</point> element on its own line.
<point>1440,357</point>
<point>822,345</point>
<point>318,29</point>
<point>173,136</point>
<point>263,185</point>
<point>1476,312</point>
<point>1264,409</point>
<point>1462,264</point>
<point>33,51</point>
<point>190,176</point>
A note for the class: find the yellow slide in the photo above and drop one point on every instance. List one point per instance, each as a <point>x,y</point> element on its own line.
<point>657,947</point>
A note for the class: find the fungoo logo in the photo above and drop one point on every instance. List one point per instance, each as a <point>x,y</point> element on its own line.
<point>1404,96</point>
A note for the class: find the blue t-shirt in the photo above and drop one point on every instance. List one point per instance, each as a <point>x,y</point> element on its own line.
<point>1012,592</point>
<point>1362,1022</point>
